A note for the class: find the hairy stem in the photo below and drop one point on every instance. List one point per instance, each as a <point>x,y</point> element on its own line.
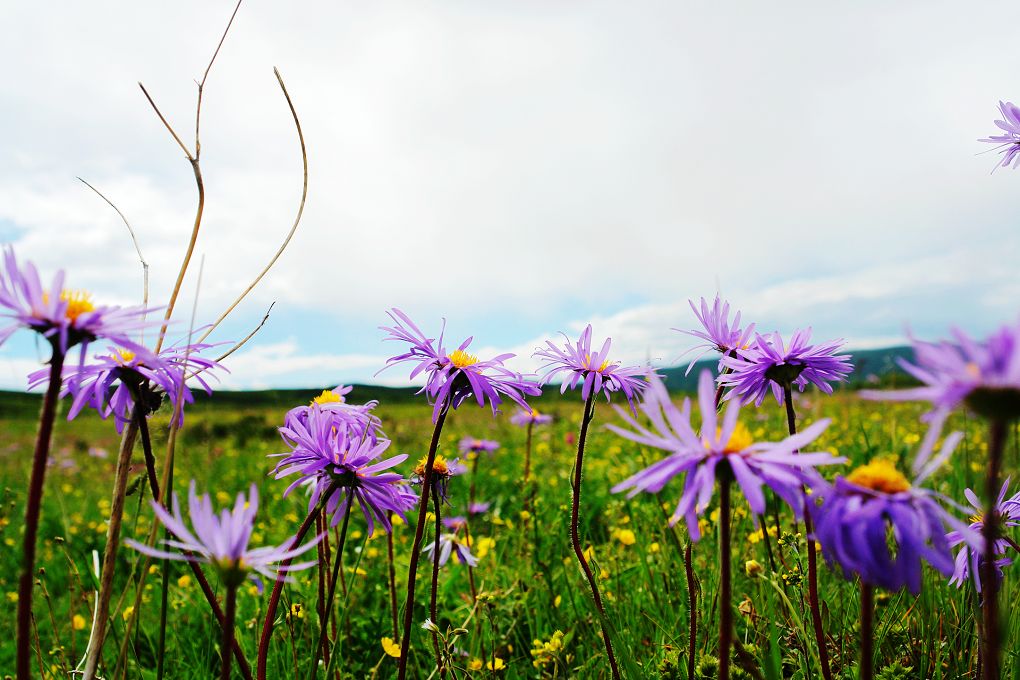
<point>419,530</point>
<point>575,541</point>
<point>33,509</point>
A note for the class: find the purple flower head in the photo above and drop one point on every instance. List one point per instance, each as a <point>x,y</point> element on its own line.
<point>593,370</point>
<point>968,560</point>
<point>455,523</point>
<point>346,466</point>
<point>450,544</point>
<point>222,539</point>
<point>114,382</point>
<point>875,505</point>
<point>356,417</point>
<point>443,471</point>
<point>529,416</point>
<point>64,317</point>
<point>453,377</point>
<point>478,508</point>
<point>1008,143</point>
<point>722,448</point>
<point>718,334</point>
<point>768,365</point>
<point>470,445</point>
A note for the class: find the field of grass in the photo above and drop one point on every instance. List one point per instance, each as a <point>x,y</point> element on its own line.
<point>533,617</point>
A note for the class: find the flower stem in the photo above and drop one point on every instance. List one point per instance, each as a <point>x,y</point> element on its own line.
<point>725,577</point>
<point>433,608</point>
<point>528,490</point>
<point>337,562</point>
<point>228,630</point>
<point>419,530</point>
<point>692,604</point>
<point>990,532</point>
<point>867,663</point>
<point>33,508</point>
<point>812,555</point>
<point>274,598</point>
<point>575,541</point>
<point>393,580</point>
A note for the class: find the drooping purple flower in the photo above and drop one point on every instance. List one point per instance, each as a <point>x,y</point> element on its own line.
<point>470,445</point>
<point>356,417</point>
<point>595,372</point>
<point>699,458</point>
<point>346,466</point>
<point>968,561</point>
<point>450,544</point>
<point>984,376</point>
<point>1008,143</point>
<point>112,382</point>
<point>529,416</point>
<point>64,317</point>
<point>768,364</point>
<point>863,511</point>
<point>453,377</point>
<point>221,540</point>
<point>443,471</point>
<point>718,333</point>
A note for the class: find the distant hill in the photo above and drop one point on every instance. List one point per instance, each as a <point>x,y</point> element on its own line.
<point>874,368</point>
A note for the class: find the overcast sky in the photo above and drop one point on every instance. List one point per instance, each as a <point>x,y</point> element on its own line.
<point>520,168</point>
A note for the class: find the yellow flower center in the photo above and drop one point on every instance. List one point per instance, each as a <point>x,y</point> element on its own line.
<point>605,364</point>
<point>879,475</point>
<point>78,302</point>
<point>439,466</point>
<point>973,370</point>
<point>123,356</point>
<point>739,441</point>
<point>462,359</point>
<point>328,397</point>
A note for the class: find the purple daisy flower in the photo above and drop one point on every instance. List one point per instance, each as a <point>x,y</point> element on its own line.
<point>1008,143</point>
<point>478,508</point>
<point>453,377</point>
<point>769,365</point>
<point>968,560</point>
<point>356,417</point>
<point>593,370</point>
<point>699,458</point>
<point>475,446</point>
<point>719,334</point>
<point>861,511</point>
<point>529,416</point>
<point>345,465</point>
<point>221,540</point>
<point>450,544</point>
<point>64,317</point>
<point>112,382</point>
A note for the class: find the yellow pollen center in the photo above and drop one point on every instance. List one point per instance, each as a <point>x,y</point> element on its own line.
<point>605,364</point>
<point>973,370</point>
<point>78,302</point>
<point>328,397</point>
<point>461,359</point>
<point>438,466</point>
<point>123,356</point>
<point>739,441</point>
<point>879,475</point>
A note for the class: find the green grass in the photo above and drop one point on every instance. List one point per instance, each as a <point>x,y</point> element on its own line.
<point>531,585</point>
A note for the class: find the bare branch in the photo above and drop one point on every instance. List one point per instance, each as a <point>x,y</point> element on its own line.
<point>201,84</point>
<point>297,219</point>
<point>166,124</point>
<point>134,239</point>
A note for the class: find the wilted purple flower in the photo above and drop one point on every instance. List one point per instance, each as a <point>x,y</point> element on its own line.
<point>449,544</point>
<point>968,560</point>
<point>455,376</point>
<point>769,364</point>
<point>357,417</point>
<point>476,446</point>
<point>754,465</point>
<point>1009,143</point>
<point>718,335</point>
<point>861,511</point>
<point>443,471</point>
<point>529,416</point>
<point>593,370</point>
<point>221,540</point>
<point>112,382</point>
<point>64,317</point>
<point>345,465</point>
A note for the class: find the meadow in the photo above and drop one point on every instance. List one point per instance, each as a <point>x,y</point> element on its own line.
<point>533,616</point>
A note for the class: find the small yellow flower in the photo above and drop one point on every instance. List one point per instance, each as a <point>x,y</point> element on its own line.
<point>128,611</point>
<point>475,665</point>
<point>391,648</point>
<point>498,665</point>
<point>297,611</point>
<point>12,597</point>
<point>153,569</point>
<point>557,601</point>
<point>78,622</point>
<point>626,536</point>
<point>753,568</point>
<point>184,581</point>
<point>653,548</point>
